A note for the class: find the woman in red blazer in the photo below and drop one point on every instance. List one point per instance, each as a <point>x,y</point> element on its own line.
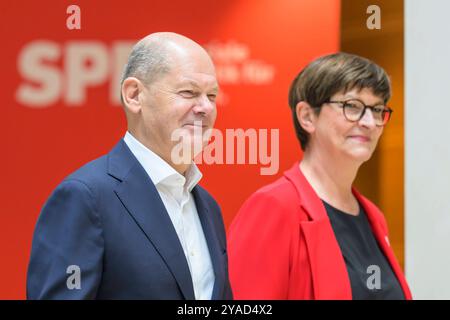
<point>310,234</point>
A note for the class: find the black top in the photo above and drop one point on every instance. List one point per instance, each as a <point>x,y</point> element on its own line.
<point>371,276</point>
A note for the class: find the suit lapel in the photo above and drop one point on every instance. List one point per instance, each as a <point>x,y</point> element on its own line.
<point>329,272</point>
<point>141,199</point>
<point>383,241</point>
<point>214,247</point>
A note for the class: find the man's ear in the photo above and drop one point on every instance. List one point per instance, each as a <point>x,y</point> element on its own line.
<point>131,87</point>
<point>305,116</point>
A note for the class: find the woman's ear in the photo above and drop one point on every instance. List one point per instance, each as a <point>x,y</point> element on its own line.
<point>131,87</point>
<point>306,116</point>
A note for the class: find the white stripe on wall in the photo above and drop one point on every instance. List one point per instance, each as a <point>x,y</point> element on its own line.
<point>427,148</point>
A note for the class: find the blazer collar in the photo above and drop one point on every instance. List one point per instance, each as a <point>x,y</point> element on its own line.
<point>329,272</point>
<point>380,231</point>
<point>323,249</point>
<point>216,250</point>
<point>140,197</point>
<point>159,171</point>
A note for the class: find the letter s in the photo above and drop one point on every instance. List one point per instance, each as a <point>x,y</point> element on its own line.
<point>31,67</point>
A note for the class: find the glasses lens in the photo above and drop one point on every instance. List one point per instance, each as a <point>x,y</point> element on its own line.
<point>353,110</point>
<point>381,115</point>
<point>385,116</point>
<point>378,114</point>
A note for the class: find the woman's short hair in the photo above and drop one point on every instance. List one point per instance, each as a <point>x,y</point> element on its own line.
<point>331,74</point>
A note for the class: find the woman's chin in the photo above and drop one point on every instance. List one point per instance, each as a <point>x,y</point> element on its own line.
<point>361,154</point>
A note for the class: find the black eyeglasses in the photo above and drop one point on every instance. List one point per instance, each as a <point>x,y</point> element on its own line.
<point>355,109</point>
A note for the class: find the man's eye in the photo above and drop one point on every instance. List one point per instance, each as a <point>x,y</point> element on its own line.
<point>187,93</point>
<point>212,97</point>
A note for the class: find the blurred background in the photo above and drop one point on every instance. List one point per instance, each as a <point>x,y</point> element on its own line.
<point>60,86</point>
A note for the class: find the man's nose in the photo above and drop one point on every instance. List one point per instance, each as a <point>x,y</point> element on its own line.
<point>204,105</point>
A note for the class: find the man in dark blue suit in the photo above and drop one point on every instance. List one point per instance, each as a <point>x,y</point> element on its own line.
<point>134,224</point>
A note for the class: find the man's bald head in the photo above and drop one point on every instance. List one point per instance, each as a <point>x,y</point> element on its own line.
<point>153,56</point>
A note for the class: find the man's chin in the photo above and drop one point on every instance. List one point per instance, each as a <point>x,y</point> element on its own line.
<point>190,146</point>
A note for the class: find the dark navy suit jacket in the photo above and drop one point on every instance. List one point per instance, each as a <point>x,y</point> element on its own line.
<point>107,219</point>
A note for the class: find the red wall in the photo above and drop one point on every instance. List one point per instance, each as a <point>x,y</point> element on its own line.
<point>258,46</point>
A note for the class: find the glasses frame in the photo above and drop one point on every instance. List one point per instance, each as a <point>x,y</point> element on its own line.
<point>344,102</point>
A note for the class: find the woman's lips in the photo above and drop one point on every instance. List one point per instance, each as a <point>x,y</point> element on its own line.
<point>360,138</point>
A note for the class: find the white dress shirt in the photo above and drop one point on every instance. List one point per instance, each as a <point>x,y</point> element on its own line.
<point>175,192</point>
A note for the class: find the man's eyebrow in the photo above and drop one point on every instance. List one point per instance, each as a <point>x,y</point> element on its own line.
<point>195,84</point>
<point>188,82</point>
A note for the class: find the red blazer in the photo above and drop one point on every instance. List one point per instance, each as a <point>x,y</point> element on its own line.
<point>281,244</point>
